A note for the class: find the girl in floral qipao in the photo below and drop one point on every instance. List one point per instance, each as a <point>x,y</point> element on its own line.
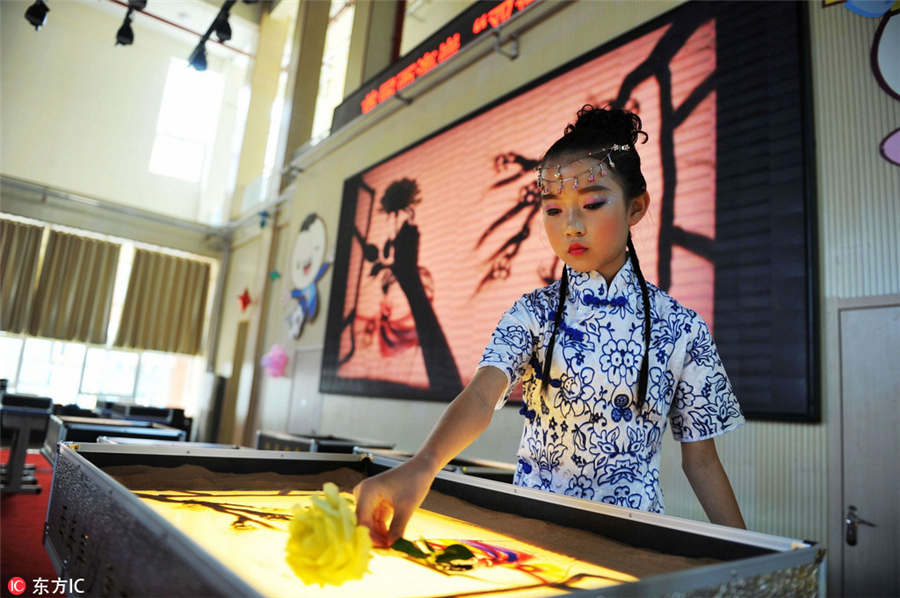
<point>606,359</point>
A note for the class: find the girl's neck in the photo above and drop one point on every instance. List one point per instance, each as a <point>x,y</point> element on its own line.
<point>610,269</point>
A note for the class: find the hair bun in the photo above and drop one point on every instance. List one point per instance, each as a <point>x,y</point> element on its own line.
<point>597,130</point>
<point>621,126</point>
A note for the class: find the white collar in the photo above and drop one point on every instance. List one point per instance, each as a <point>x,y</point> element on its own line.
<point>583,286</point>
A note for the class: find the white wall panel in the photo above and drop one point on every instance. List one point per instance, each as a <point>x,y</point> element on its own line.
<point>859,192</point>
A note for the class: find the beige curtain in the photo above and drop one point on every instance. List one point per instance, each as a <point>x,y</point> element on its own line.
<point>74,295</point>
<point>165,304</point>
<point>20,248</point>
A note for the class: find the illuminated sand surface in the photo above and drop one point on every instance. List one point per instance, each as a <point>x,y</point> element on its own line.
<point>248,530</point>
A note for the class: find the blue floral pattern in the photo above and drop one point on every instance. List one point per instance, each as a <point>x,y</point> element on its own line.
<point>583,436</point>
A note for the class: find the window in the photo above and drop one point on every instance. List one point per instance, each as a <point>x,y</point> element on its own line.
<point>334,65</point>
<point>83,374</point>
<point>51,368</point>
<point>10,349</point>
<point>188,116</point>
<point>155,379</point>
<point>109,374</point>
<point>164,376</point>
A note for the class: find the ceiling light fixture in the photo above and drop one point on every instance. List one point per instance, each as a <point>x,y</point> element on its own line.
<point>37,14</point>
<point>221,26</point>
<point>223,32</point>
<point>198,56</point>
<point>125,36</point>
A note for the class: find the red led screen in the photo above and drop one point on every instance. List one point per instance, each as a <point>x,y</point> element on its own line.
<point>451,226</point>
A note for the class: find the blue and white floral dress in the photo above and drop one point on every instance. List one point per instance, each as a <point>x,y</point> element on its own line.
<point>583,437</point>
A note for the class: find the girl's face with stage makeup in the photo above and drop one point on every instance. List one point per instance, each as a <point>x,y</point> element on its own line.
<point>587,224</point>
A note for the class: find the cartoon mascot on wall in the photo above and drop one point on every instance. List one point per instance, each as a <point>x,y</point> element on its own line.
<point>308,265</point>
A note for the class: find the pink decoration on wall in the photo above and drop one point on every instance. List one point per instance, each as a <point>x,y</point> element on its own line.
<point>275,361</point>
<point>890,148</point>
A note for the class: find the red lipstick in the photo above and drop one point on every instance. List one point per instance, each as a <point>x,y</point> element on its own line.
<point>577,249</point>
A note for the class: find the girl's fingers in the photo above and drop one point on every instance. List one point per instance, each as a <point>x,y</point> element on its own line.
<point>381,517</point>
<point>383,509</point>
<point>398,525</point>
<point>365,504</point>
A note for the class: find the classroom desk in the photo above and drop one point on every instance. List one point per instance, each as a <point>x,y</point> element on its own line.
<point>72,428</point>
<point>316,443</point>
<point>483,468</point>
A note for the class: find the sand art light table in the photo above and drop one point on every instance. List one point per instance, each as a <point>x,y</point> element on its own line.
<point>168,520</point>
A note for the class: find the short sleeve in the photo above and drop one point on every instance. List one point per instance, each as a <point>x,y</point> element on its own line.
<point>510,346</point>
<point>704,405</point>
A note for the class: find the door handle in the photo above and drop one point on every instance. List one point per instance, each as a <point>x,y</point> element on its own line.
<point>852,521</point>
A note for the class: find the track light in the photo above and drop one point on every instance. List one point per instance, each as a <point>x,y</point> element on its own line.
<point>198,56</point>
<point>223,32</point>
<point>125,36</point>
<point>222,28</point>
<point>37,14</point>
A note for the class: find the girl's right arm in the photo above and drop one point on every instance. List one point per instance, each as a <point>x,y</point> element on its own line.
<point>384,503</point>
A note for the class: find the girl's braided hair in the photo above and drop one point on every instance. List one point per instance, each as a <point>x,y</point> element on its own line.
<point>595,129</point>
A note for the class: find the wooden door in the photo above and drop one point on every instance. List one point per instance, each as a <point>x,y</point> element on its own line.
<point>870,401</point>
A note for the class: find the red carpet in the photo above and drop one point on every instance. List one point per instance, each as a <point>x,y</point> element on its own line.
<point>22,516</point>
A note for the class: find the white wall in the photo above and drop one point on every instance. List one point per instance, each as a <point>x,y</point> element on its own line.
<point>245,254</point>
<point>79,114</point>
<point>275,410</point>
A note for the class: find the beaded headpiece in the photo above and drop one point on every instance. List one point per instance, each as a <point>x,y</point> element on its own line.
<point>554,185</point>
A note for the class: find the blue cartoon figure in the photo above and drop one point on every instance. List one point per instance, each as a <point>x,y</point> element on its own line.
<point>307,267</point>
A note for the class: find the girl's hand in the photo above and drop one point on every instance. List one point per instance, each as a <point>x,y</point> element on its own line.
<point>385,502</point>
